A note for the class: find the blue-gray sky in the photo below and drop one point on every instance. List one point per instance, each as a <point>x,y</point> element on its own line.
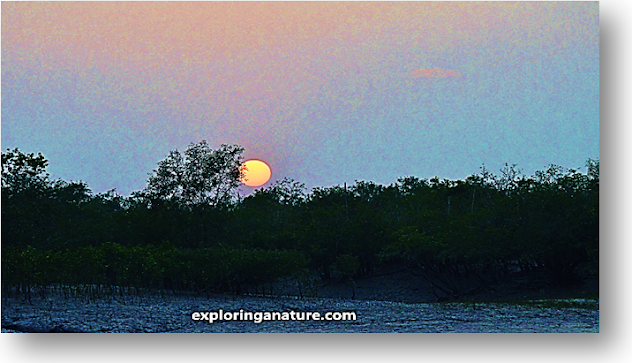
<point>325,93</point>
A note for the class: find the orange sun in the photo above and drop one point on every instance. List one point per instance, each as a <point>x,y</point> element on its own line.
<point>256,173</point>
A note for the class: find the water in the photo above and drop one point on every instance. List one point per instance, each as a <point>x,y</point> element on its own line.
<point>173,314</point>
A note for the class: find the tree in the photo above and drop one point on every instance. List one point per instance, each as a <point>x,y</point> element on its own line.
<point>21,171</point>
<point>286,191</point>
<point>199,176</point>
<point>36,210</point>
<point>273,216</point>
<point>25,198</point>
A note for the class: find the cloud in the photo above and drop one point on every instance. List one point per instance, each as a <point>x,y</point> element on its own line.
<point>434,73</point>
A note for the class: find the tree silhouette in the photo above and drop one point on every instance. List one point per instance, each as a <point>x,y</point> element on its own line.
<point>177,234</point>
<point>21,171</point>
<point>199,175</point>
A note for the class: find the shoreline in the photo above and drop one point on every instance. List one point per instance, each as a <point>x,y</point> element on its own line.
<point>402,286</point>
<point>388,302</point>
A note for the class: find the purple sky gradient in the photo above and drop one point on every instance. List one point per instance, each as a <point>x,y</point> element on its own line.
<point>325,93</point>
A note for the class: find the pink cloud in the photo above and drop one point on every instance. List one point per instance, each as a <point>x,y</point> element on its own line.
<point>434,73</point>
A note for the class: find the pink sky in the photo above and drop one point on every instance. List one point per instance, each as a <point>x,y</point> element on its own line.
<point>324,92</point>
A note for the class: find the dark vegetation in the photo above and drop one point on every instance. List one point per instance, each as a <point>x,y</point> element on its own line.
<point>189,231</point>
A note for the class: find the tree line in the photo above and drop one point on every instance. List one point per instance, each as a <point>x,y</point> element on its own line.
<point>189,230</point>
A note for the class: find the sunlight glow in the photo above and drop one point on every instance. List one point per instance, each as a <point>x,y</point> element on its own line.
<point>256,173</point>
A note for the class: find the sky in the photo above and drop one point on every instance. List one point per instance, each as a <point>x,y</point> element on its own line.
<point>325,93</point>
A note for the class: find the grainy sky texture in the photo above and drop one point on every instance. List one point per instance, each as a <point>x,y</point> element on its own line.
<point>325,93</point>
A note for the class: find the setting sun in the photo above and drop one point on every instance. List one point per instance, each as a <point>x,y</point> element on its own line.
<point>256,173</point>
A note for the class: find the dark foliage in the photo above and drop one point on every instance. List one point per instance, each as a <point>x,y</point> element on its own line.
<point>460,235</point>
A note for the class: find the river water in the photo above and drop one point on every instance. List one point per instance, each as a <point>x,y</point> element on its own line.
<point>174,314</point>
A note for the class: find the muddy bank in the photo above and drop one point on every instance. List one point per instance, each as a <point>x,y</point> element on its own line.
<point>403,286</point>
<point>390,301</point>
